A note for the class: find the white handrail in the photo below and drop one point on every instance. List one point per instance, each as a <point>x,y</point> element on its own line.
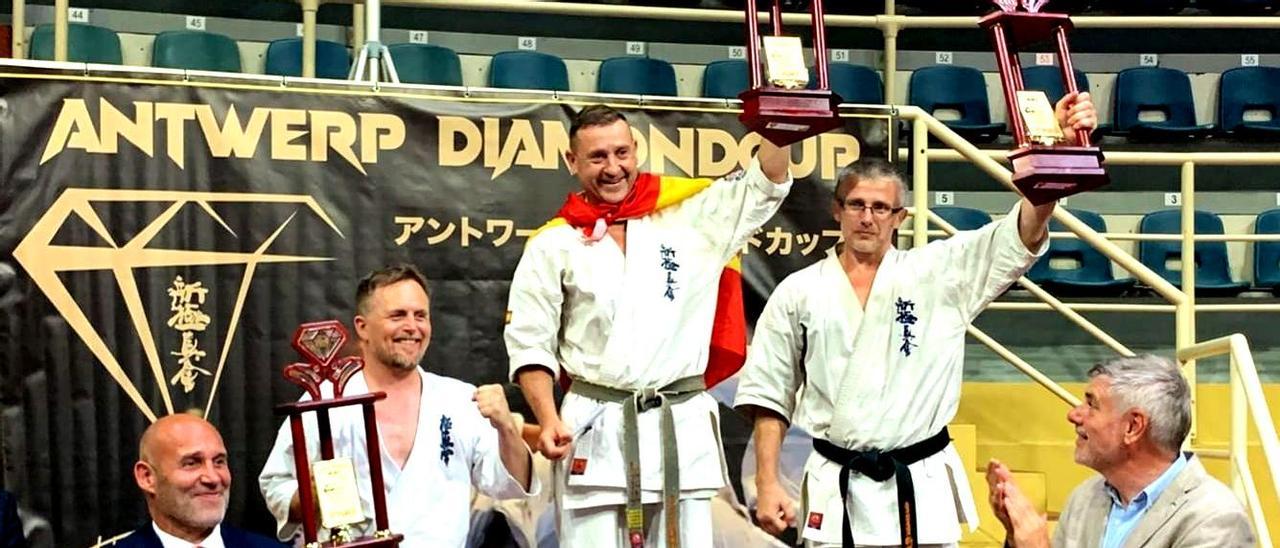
<point>1246,394</point>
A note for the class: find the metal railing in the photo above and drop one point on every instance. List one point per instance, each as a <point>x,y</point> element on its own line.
<point>889,24</point>
<point>1247,402</point>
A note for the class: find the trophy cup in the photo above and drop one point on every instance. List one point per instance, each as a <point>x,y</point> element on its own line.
<point>1042,170</point>
<point>783,111</point>
<point>327,488</point>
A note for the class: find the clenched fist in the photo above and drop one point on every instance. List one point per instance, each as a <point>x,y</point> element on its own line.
<point>555,441</point>
<point>491,401</point>
<point>775,511</point>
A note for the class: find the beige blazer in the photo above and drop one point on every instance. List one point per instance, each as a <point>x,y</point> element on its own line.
<point>1195,510</point>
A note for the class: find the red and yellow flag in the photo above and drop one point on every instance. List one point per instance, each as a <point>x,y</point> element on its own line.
<point>651,193</point>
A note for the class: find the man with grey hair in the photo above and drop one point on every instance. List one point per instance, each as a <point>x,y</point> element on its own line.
<point>864,350</point>
<point>1130,428</point>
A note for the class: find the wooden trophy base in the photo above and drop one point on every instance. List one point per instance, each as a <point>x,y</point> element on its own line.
<point>785,116</point>
<point>1043,173</point>
<point>367,542</point>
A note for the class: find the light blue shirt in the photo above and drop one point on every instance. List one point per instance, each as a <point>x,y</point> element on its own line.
<point>1122,519</point>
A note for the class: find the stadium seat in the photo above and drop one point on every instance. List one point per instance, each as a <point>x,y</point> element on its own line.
<point>1049,80</point>
<point>85,44</point>
<point>1244,90</point>
<point>1165,92</point>
<point>1090,274</point>
<point>426,64</point>
<point>637,76</point>
<point>1149,7</point>
<point>1213,273</point>
<point>284,58</point>
<point>725,79</point>
<point>1239,7</point>
<point>853,83</point>
<point>528,70</point>
<point>1266,255</point>
<point>962,89</point>
<point>950,7</point>
<point>195,50</point>
<point>963,218</point>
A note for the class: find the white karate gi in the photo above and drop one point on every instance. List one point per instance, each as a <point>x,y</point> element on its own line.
<point>639,320</point>
<point>884,383</point>
<point>429,500</point>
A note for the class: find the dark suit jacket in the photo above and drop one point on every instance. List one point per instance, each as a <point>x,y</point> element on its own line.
<point>10,525</point>
<point>145,537</point>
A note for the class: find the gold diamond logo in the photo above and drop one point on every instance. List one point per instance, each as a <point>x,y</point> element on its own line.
<point>44,260</point>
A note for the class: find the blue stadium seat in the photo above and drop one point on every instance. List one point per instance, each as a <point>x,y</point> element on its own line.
<point>949,7</point>
<point>1245,89</point>
<point>1049,80</point>
<point>195,50</point>
<point>1213,273</point>
<point>1239,7</point>
<point>284,58</point>
<point>528,70</point>
<point>962,89</point>
<point>725,79</point>
<point>85,44</point>
<point>853,83</point>
<point>1150,7</point>
<point>963,218</point>
<point>636,76</point>
<point>1142,90</point>
<point>1266,255</point>
<point>1090,274</point>
<point>426,64</point>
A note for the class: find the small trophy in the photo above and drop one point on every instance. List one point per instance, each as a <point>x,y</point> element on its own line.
<point>783,111</point>
<point>1042,169</point>
<point>327,488</point>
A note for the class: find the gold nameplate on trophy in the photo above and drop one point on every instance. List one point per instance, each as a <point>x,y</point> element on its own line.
<point>337,492</point>
<point>1037,113</point>
<point>784,62</point>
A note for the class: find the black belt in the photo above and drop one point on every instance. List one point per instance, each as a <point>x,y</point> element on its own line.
<point>881,466</point>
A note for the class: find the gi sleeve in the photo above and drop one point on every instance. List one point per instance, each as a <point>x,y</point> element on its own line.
<point>488,473</point>
<point>980,264</point>
<point>734,207</point>
<point>534,306</point>
<point>774,370</point>
<point>278,480</point>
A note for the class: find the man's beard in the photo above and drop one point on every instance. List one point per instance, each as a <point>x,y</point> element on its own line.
<point>399,361</point>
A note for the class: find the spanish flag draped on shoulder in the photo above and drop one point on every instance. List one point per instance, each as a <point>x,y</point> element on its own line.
<point>651,193</point>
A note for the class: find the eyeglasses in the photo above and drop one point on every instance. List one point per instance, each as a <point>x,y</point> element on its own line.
<point>878,209</point>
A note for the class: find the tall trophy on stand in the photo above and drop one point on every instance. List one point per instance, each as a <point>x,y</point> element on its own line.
<point>327,488</point>
<point>782,110</point>
<point>1043,169</point>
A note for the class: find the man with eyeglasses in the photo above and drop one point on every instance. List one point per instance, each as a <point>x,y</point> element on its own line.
<point>864,350</point>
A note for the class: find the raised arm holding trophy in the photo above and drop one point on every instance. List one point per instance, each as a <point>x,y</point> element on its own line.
<point>1044,168</point>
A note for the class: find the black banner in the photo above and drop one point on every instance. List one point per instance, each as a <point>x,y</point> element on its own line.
<point>167,238</point>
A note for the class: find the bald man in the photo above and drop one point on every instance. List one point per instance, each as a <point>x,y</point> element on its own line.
<point>182,470</point>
